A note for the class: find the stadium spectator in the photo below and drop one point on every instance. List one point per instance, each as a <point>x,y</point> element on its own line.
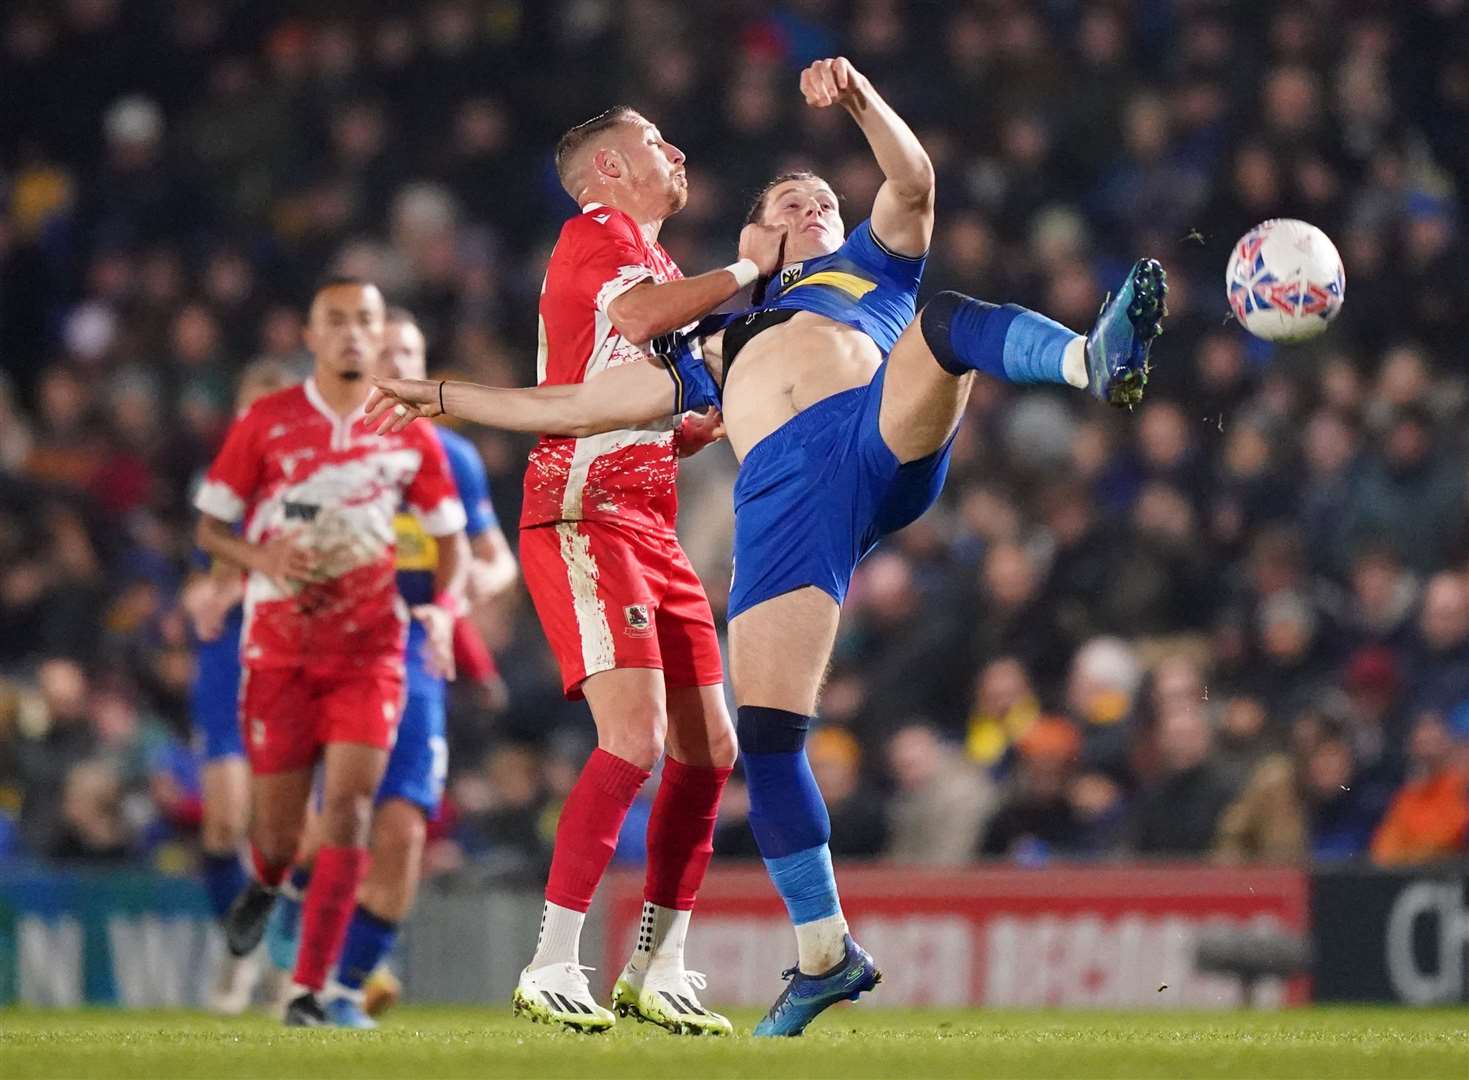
<point>1036,817</point>
<point>1005,709</point>
<point>1428,819</point>
<point>1178,812</point>
<point>941,803</point>
<point>1438,653</point>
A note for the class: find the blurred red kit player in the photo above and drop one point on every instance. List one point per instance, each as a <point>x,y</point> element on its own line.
<point>316,492</point>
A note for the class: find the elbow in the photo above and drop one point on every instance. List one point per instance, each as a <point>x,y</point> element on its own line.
<point>203,535</point>
<point>636,330</point>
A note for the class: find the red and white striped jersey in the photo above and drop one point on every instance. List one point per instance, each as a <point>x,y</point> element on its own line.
<point>291,466</point>
<point>627,477</point>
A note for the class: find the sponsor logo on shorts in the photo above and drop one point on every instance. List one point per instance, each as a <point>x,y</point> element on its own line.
<point>257,732</point>
<point>639,621</point>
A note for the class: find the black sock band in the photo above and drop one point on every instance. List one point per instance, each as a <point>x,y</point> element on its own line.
<point>771,731</point>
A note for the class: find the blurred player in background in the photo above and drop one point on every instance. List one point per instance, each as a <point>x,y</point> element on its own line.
<point>620,603</point>
<point>842,411</point>
<point>325,627</point>
<point>413,785</point>
<point>212,601</point>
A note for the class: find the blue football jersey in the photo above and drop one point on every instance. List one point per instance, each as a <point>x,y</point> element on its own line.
<point>861,284</point>
<point>418,552</point>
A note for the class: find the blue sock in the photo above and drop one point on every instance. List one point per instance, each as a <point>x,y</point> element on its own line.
<point>1009,343</point>
<point>296,883</point>
<point>787,814</point>
<point>224,879</point>
<point>368,940</point>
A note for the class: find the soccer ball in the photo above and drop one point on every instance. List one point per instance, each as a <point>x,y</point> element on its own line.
<point>1285,280</point>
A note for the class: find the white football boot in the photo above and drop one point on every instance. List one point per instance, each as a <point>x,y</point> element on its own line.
<point>559,994</point>
<point>233,984</point>
<point>664,994</point>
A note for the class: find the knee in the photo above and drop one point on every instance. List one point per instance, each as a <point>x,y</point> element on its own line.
<point>346,818</point>
<point>724,747</point>
<point>638,740</point>
<point>221,833</point>
<point>277,843</point>
<point>400,828</point>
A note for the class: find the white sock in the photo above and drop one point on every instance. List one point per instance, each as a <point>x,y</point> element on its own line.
<point>560,940</point>
<point>336,990</point>
<point>819,944</point>
<point>661,935</point>
<point>1073,364</point>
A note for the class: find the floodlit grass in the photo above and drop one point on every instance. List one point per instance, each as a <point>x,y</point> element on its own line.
<point>422,1043</point>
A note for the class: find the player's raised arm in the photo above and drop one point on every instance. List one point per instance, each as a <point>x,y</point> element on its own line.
<point>627,396</point>
<point>647,310</point>
<point>902,214</point>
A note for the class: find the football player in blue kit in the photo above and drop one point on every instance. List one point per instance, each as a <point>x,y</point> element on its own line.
<point>842,410</point>
<point>413,785</point>
<point>212,600</point>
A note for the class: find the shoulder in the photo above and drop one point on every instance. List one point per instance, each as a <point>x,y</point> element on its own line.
<point>863,239</point>
<point>599,226</point>
<point>280,402</point>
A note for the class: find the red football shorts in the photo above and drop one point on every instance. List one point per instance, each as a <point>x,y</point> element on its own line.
<point>290,714</point>
<point>613,597</point>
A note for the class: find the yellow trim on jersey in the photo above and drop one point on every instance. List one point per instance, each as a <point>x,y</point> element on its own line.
<point>850,284</point>
<point>417,550</point>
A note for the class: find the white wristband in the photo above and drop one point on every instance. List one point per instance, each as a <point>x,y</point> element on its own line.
<point>745,272</point>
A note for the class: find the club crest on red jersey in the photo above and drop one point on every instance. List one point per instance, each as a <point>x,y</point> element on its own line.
<point>639,621</point>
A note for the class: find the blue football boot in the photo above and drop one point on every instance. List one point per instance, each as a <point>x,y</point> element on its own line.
<point>1118,343</point>
<point>283,932</point>
<point>344,1012</point>
<point>807,996</point>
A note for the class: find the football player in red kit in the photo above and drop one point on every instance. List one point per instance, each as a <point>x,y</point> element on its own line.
<point>621,606</point>
<point>324,632</point>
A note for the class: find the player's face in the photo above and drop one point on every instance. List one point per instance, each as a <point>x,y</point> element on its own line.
<point>404,354</point>
<point>345,330</point>
<point>808,210</point>
<point>655,165</point>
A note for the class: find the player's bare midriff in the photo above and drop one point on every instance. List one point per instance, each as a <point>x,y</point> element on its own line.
<point>787,369</point>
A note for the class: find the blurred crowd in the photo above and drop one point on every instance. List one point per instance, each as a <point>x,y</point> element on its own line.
<point>1232,625</point>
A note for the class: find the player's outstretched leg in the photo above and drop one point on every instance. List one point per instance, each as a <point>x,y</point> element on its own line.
<point>925,384</point>
<point>778,651</point>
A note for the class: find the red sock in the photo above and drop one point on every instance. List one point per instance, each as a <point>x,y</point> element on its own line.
<point>329,901</point>
<point>266,873</point>
<point>681,832</point>
<point>586,835</point>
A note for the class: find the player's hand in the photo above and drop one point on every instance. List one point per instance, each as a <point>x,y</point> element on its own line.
<point>396,403</point>
<point>764,245</point>
<point>482,584</point>
<point>832,82</point>
<point>285,562</point>
<point>207,604</point>
<point>699,430</point>
<point>438,625</point>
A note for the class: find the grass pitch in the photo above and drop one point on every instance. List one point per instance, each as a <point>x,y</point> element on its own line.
<point>849,1043</point>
